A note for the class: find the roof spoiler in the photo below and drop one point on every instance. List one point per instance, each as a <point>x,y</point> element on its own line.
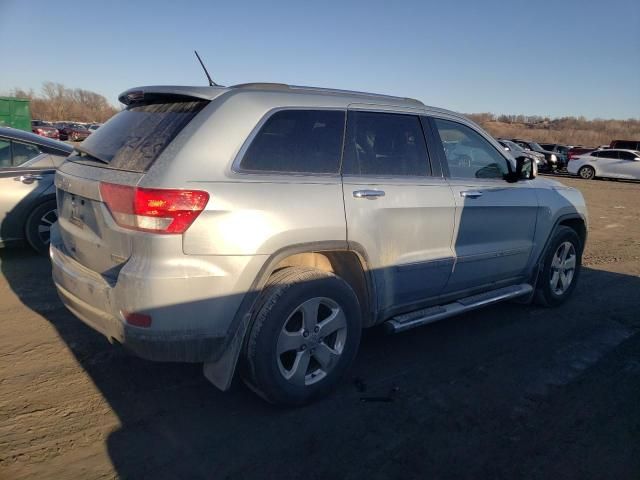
<point>176,93</point>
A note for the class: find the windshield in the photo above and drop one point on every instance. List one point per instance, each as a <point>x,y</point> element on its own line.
<point>536,147</point>
<point>135,137</point>
<point>513,146</point>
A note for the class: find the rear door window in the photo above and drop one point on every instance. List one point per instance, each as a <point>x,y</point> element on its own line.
<point>627,156</point>
<point>135,137</point>
<point>297,141</point>
<point>607,154</point>
<point>385,144</point>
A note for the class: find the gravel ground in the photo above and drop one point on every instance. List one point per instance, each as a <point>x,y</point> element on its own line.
<point>508,392</point>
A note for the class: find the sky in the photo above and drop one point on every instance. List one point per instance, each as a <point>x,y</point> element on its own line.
<point>551,58</point>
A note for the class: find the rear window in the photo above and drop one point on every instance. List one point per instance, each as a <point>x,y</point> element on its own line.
<point>135,137</point>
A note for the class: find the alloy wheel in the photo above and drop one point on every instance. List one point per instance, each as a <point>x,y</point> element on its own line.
<point>44,225</point>
<point>311,341</point>
<point>563,267</point>
<point>587,173</point>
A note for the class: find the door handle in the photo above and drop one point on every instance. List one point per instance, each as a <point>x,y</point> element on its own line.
<point>471,194</point>
<point>370,194</point>
<point>29,178</point>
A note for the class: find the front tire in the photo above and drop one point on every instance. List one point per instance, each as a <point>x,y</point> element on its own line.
<point>587,172</point>
<point>304,337</point>
<point>38,226</point>
<point>561,268</point>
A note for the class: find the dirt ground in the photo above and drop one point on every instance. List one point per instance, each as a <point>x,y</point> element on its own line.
<point>511,391</point>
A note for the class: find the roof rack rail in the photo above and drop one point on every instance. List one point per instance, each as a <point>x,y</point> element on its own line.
<point>334,91</point>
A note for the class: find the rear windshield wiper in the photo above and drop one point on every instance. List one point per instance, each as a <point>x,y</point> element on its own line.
<point>90,156</point>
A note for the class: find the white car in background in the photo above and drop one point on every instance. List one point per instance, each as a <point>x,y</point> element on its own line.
<point>609,163</point>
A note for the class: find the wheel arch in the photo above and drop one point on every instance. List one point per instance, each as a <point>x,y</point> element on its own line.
<point>332,256</point>
<point>576,222</point>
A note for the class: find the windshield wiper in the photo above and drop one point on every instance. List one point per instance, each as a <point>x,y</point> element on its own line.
<point>86,154</point>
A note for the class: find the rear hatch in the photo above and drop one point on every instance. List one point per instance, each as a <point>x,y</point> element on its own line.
<point>100,177</point>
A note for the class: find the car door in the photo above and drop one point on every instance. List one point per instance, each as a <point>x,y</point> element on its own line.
<point>606,163</point>
<point>627,166</point>
<point>21,184</point>
<point>399,208</point>
<point>494,220</point>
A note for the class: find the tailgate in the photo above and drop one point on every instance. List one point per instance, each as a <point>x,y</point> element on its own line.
<point>87,229</point>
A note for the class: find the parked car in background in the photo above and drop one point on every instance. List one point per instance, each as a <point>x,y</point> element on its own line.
<point>625,144</point>
<point>544,164</point>
<point>578,150</point>
<point>93,127</point>
<point>209,224</point>
<point>553,160</point>
<point>561,150</point>
<point>611,163</point>
<point>27,194</point>
<point>73,132</point>
<point>517,151</point>
<point>44,129</point>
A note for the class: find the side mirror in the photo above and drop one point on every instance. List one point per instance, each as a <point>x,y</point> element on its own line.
<point>526,168</point>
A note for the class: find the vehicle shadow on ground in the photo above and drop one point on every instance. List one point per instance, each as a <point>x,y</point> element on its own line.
<point>450,399</point>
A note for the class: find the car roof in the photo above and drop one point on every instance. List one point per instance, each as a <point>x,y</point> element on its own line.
<point>344,96</point>
<point>28,137</point>
<point>635,152</point>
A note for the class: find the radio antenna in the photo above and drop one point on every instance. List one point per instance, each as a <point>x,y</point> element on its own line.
<point>211,82</point>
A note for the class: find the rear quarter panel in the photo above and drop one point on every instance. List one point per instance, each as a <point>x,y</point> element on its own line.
<point>248,214</point>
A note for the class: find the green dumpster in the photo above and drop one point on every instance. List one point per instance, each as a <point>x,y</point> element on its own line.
<point>14,112</point>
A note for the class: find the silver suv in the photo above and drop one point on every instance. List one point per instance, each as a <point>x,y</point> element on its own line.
<point>260,227</point>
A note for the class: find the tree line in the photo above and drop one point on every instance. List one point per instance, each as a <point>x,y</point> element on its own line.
<point>57,102</point>
<point>564,130</point>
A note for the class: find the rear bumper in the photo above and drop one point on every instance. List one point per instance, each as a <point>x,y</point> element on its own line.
<point>186,327</point>
<point>162,347</point>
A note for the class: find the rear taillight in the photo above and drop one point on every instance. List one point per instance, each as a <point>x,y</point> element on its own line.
<point>153,209</point>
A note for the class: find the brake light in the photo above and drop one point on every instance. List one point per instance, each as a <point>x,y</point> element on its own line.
<point>153,209</point>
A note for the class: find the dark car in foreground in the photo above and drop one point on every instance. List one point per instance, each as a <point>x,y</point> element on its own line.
<point>44,129</point>
<point>27,195</point>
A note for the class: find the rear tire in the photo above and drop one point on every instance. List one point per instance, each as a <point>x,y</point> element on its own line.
<point>305,335</point>
<point>587,172</point>
<point>38,226</point>
<point>561,268</point>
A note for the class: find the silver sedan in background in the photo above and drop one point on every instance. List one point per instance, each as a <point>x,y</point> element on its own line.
<point>608,163</point>
<point>27,195</point>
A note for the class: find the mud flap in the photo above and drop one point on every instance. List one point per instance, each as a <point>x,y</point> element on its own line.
<point>221,372</point>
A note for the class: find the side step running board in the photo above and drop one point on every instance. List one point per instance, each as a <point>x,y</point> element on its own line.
<point>406,321</point>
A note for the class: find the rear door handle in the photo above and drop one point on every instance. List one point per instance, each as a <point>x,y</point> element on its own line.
<point>370,194</point>
<point>471,194</point>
